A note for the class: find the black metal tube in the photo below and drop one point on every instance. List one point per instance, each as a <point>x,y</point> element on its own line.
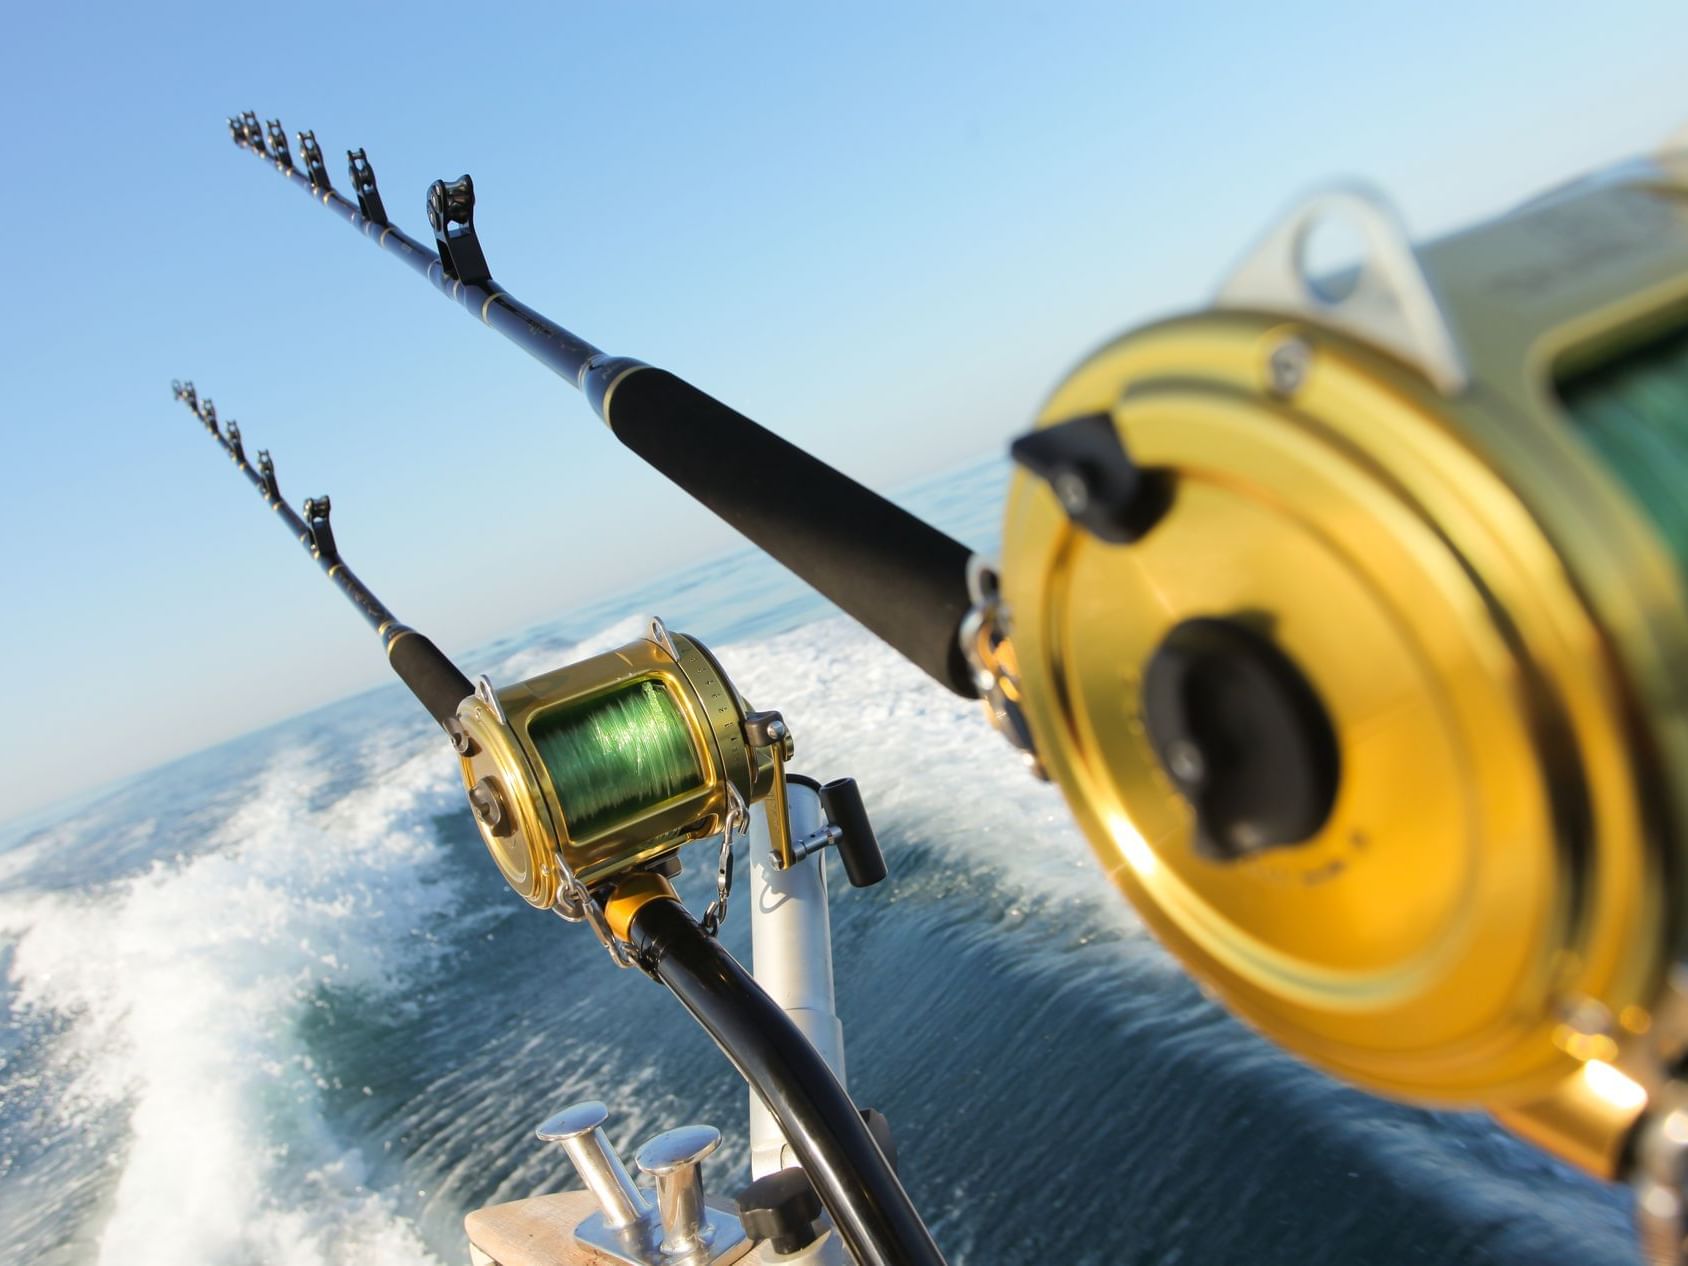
<point>435,681</point>
<point>899,576</point>
<point>849,1172</point>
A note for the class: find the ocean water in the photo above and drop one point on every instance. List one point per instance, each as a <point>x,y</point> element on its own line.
<point>300,1019</point>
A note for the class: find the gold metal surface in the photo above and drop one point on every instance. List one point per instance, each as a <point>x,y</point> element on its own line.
<point>1587,1120</point>
<point>779,811</point>
<point>631,894</point>
<point>1498,635</point>
<point>526,854</point>
<point>535,840</point>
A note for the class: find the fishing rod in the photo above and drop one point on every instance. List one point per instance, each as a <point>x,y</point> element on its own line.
<point>421,666</point>
<point>585,782</point>
<point>903,579</point>
<point>1349,613</point>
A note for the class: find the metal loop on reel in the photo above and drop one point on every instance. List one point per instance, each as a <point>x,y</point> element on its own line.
<point>620,951</point>
<point>738,822</point>
<point>575,904</point>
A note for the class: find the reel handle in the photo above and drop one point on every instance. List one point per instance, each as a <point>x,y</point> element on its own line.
<point>857,845</point>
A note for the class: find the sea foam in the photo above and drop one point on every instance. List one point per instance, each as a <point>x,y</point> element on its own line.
<point>186,985</point>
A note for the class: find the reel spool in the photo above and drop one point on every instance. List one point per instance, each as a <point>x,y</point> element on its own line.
<point>1352,621</point>
<point>608,765</point>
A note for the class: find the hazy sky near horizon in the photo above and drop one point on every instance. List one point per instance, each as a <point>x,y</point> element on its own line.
<point>882,230</point>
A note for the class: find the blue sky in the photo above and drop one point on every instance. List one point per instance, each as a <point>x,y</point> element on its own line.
<point>882,230</point>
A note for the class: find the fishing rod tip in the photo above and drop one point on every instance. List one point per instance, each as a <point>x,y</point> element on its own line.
<point>277,142</point>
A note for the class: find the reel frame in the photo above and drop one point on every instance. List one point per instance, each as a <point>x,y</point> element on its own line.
<point>520,811</point>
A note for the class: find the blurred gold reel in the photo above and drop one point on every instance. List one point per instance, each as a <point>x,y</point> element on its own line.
<point>1363,664</point>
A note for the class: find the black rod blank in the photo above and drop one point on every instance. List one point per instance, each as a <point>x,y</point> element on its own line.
<point>834,1145</point>
<point>895,573</point>
<point>422,666</point>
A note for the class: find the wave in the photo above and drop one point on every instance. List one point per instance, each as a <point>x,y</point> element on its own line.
<point>184,988</point>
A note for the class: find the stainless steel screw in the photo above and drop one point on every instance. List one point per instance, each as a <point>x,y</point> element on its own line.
<point>1072,491</point>
<point>488,806</point>
<point>1288,364</point>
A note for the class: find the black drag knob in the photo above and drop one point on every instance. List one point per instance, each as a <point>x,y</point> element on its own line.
<point>1243,735</point>
<point>858,847</point>
<point>781,1208</point>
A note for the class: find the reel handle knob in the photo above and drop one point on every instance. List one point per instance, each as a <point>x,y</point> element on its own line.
<point>579,1128</point>
<point>675,1159</point>
<point>858,847</point>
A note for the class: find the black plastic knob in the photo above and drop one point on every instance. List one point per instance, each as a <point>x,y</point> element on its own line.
<point>858,847</point>
<point>1243,736</point>
<point>782,1209</point>
<point>1093,477</point>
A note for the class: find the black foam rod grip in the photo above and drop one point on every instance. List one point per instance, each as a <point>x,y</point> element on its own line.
<point>896,574</point>
<point>437,682</point>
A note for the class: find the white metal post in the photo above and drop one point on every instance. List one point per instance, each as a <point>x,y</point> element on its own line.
<point>791,955</point>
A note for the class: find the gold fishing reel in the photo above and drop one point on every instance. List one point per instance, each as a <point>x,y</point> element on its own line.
<point>604,767</point>
<point>1351,618</point>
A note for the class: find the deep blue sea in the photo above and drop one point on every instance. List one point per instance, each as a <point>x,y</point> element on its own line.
<point>300,1019</point>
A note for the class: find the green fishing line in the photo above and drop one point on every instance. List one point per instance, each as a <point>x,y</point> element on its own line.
<point>1634,413</point>
<point>615,755</point>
